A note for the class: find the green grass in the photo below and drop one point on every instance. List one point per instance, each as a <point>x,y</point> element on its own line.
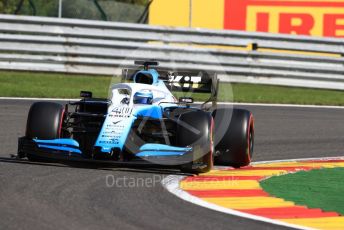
<point>322,188</point>
<point>286,95</point>
<point>24,84</point>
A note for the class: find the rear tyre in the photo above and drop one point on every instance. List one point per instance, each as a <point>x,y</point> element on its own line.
<point>44,122</point>
<point>235,145</point>
<point>195,129</point>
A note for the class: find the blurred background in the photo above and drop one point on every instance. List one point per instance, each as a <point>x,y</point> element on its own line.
<point>270,51</point>
<point>135,11</point>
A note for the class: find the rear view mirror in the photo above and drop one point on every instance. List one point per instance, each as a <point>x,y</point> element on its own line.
<point>86,94</point>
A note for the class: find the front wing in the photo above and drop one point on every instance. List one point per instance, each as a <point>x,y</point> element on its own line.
<point>68,150</point>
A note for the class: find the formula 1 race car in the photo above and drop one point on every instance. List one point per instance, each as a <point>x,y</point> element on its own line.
<point>142,122</point>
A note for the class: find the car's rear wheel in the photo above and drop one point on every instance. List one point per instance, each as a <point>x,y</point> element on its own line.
<point>44,122</point>
<point>234,147</point>
<point>195,129</point>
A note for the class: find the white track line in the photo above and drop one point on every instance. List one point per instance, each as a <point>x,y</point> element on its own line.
<point>222,103</point>
<point>286,105</point>
<point>171,183</point>
<point>38,99</point>
<point>299,159</point>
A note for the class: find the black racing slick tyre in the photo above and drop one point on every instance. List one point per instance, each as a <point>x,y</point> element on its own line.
<point>44,122</point>
<point>234,146</point>
<point>195,129</point>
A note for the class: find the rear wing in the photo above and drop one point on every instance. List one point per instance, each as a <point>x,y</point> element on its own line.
<point>183,81</point>
<point>186,81</point>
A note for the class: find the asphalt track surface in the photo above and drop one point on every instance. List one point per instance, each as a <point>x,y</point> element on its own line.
<point>57,196</point>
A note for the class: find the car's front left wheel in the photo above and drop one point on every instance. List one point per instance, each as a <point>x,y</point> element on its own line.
<point>196,129</point>
<point>44,122</point>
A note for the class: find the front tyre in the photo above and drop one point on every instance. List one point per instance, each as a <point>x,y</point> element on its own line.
<point>235,146</point>
<point>44,122</point>
<point>196,129</point>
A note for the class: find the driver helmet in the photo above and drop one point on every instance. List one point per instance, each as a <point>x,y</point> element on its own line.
<point>143,97</point>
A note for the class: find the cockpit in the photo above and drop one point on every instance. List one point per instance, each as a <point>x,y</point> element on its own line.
<point>144,78</point>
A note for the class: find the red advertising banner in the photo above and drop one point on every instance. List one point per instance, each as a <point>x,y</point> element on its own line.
<point>316,17</point>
